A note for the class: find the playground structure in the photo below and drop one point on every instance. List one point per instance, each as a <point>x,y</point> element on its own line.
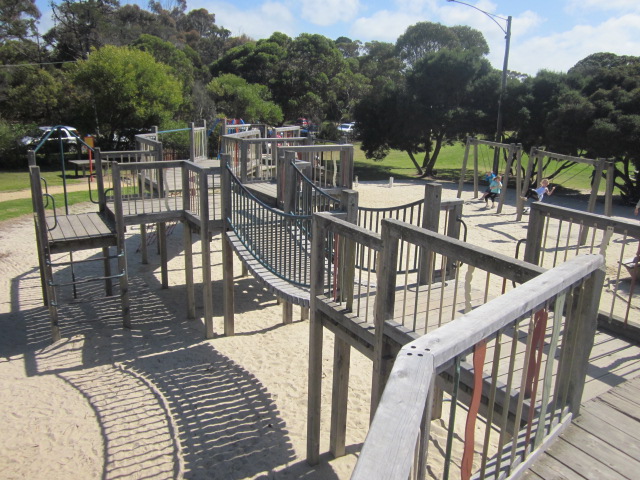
<point>513,152</point>
<point>388,288</point>
<point>514,159</point>
<point>602,169</point>
<point>556,234</point>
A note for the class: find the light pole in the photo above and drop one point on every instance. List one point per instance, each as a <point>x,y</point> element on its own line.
<point>503,83</point>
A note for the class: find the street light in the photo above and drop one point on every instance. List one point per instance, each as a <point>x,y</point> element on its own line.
<point>503,85</point>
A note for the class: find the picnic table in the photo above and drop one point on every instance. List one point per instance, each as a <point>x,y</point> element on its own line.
<point>84,165</point>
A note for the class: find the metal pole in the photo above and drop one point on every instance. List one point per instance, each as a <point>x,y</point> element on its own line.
<point>503,86</point>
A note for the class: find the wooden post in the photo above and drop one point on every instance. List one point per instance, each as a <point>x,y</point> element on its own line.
<point>162,245</point>
<point>533,155</point>
<point>187,239</point>
<point>505,177</point>
<point>205,242</point>
<point>340,393</point>
<point>227,254</point>
<point>243,161</point>
<point>120,240</point>
<point>385,302</point>
<point>535,231</point>
<point>463,170</point>
<point>453,223</point>
<point>595,187</point>
<point>519,201</point>
<point>608,198</point>
<point>192,142</point>
<point>476,173</point>
<point>430,221</point>
<point>287,312</point>
<point>582,321</point>
<point>289,188</point>
<point>314,391</point>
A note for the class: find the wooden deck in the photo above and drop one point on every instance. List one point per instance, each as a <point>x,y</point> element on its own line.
<point>77,232</point>
<point>603,442</point>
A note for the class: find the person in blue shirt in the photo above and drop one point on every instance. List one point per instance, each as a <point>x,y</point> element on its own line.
<point>488,177</point>
<point>495,187</point>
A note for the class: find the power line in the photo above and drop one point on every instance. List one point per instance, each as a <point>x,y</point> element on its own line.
<point>37,64</point>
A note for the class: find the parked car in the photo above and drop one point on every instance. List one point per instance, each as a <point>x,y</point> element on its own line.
<point>68,135</point>
<point>346,128</point>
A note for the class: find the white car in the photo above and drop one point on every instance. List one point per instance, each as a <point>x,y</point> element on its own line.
<point>68,135</point>
<point>346,128</point>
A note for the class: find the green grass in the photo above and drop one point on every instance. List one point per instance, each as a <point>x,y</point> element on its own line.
<point>13,181</point>
<point>15,208</point>
<point>449,164</point>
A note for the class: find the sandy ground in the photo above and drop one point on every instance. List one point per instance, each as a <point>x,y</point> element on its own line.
<point>159,401</point>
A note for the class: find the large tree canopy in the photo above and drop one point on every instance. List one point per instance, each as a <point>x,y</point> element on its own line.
<point>447,94</point>
<point>17,19</point>
<point>125,89</point>
<point>235,98</point>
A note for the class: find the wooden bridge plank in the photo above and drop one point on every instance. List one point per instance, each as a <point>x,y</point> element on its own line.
<point>612,415</point>
<point>549,468</point>
<point>595,447</point>
<point>610,433</point>
<point>580,462</point>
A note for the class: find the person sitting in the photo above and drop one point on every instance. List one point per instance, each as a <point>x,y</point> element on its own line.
<point>494,190</point>
<point>537,194</point>
<point>488,177</point>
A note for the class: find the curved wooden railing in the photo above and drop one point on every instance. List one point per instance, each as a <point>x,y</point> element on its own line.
<point>279,241</point>
<point>523,330</point>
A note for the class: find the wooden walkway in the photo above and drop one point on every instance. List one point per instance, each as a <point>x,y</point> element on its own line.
<point>602,443</point>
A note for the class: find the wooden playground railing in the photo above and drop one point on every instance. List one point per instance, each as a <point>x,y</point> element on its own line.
<point>528,350</point>
<point>383,307</point>
<point>303,197</point>
<point>329,166</point>
<point>254,158</point>
<point>556,234</point>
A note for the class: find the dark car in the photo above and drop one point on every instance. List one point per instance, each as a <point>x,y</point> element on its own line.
<point>68,135</point>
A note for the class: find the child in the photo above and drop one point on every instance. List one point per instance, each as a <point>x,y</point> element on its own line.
<point>538,194</point>
<point>495,187</point>
<point>489,176</point>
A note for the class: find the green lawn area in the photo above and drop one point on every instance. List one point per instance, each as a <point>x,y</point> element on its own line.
<point>449,164</point>
<point>397,165</point>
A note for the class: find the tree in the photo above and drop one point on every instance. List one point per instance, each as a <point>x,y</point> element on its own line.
<point>125,89</point>
<point>38,96</point>
<point>235,98</point>
<point>426,37</point>
<point>80,25</point>
<point>446,94</point>
<point>203,35</point>
<point>17,19</point>
<point>167,53</point>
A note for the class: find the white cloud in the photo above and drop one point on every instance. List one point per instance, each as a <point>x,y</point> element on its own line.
<point>608,5</point>
<point>383,26</point>
<point>259,22</point>
<point>329,12</point>
<point>562,51</point>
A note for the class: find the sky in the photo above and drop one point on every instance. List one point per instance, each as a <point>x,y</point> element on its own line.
<point>545,34</point>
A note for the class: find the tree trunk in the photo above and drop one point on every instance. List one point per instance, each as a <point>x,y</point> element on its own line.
<point>415,163</point>
<point>430,159</point>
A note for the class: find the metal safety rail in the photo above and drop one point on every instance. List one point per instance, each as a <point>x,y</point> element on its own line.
<point>304,197</point>
<point>279,241</point>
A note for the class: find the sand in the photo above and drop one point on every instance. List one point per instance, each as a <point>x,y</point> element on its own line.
<point>160,401</point>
